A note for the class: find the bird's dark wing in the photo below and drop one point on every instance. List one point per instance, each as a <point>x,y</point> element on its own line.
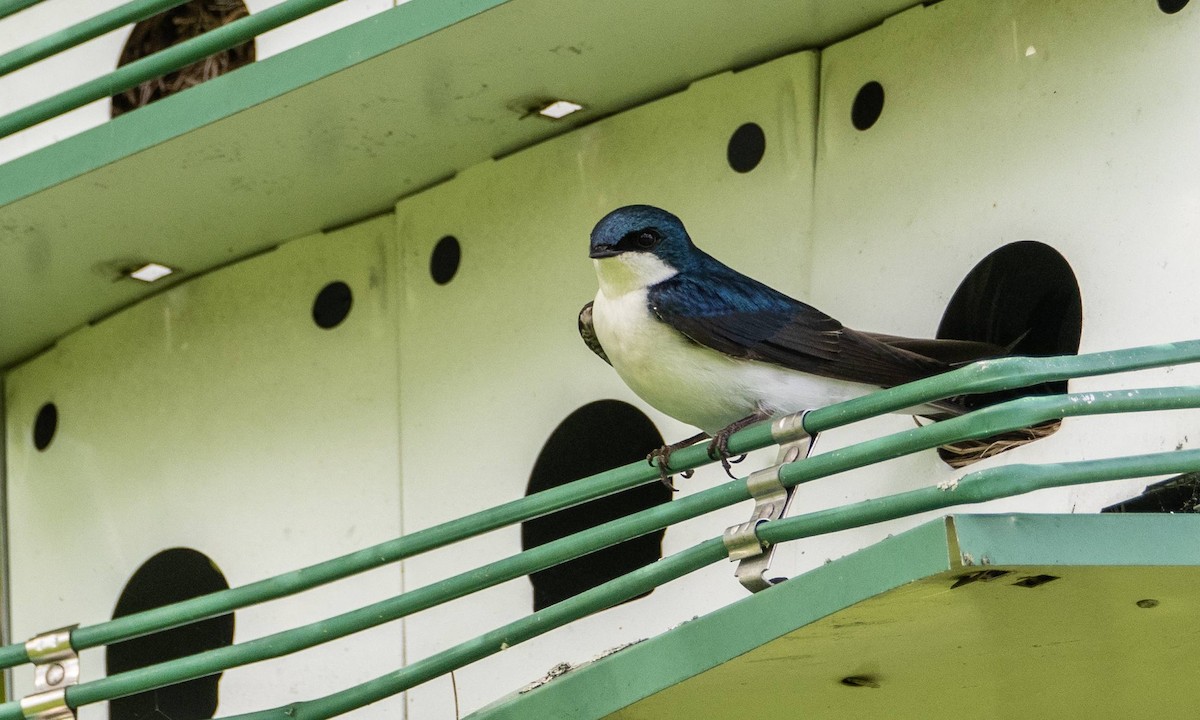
<point>721,309</point>
<point>588,333</point>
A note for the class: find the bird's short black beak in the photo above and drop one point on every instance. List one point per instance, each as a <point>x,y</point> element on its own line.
<point>603,251</point>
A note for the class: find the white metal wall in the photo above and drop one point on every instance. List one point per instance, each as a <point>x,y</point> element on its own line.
<point>268,444</point>
<point>503,335</point>
<point>218,417</point>
<point>1069,123</point>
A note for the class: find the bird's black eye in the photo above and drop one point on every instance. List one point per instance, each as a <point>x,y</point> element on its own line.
<point>641,239</point>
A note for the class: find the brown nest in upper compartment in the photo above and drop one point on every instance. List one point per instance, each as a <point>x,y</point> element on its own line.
<point>171,28</point>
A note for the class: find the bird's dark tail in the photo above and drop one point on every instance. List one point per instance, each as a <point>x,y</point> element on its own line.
<point>957,353</point>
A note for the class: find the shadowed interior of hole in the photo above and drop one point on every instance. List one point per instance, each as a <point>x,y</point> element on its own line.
<point>1023,295</point>
<point>170,576</point>
<point>596,437</point>
<point>172,27</point>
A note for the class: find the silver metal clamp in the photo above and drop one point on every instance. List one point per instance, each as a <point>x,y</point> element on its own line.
<point>771,502</point>
<point>56,666</point>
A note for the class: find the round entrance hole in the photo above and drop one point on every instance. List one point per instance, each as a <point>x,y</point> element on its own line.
<point>596,437</point>
<point>1023,297</point>
<point>168,577</point>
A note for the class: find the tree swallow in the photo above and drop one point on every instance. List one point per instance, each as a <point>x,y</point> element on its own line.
<point>714,348</point>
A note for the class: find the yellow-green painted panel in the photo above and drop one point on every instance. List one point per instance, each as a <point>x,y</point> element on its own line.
<point>1083,616</point>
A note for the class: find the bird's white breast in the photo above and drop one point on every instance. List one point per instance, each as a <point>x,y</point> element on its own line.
<point>690,382</point>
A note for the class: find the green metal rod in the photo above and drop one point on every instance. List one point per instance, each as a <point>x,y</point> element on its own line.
<point>1017,413</point>
<point>160,63</point>
<point>1002,374</point>
<point>592,601</point>
<point>977,487</point>
<point>512,512</point>
<point>994,375</point>
<point>13,7</point>
<point>80,33</point>
<point>986,422</point>
<point>296,639</point>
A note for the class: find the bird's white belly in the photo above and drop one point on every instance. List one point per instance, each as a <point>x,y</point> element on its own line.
<point>695,384</point>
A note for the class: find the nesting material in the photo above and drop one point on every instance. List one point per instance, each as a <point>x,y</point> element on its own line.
<point>965,452</point>
<point>171,28</point>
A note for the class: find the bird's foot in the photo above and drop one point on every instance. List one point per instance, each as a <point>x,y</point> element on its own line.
<point>718,449</point>
<point>662,459</point>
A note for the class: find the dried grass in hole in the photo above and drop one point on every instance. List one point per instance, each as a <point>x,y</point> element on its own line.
<point>965,452</point>
<point>171,28</point>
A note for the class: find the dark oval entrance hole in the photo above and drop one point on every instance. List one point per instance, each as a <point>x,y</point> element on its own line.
<point>1024,296</point>
<point>596,437</point>
<point>170,576</point>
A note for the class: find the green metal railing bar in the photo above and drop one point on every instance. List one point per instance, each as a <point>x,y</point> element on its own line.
<point>978,487</point>
<point>985,377</point>
<point>1014,414</point>
<point>512,512</point>
<point>991,484</point>
<point>986,422</point>
<point>161,62</point>
<point>15,6</point>
<point>296,639</point>
<point>1002,374</point>
<point>586,603</point>
<point>82,32</point>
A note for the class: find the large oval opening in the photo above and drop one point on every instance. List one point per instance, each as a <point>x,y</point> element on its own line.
<point>596,437</point>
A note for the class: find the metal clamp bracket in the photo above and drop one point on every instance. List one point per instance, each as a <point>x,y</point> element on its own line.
<point>771,502</point>
<point>56,666</point>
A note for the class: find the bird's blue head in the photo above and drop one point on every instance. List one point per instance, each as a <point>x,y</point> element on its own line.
<point>643,230</point>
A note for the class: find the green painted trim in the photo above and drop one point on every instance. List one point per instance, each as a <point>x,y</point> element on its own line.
<point>611,683</point>
<point>976,487</point>
<point>231,93</point>
<point>605,686</point>
<point>1134,539</point>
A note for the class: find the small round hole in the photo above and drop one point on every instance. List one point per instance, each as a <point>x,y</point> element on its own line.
<point>332,304</point>
<point>443,264</point>
<point>1171,7</point>
<point>44,426</point>
<point>868,104</point>
<point>746,147</point>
